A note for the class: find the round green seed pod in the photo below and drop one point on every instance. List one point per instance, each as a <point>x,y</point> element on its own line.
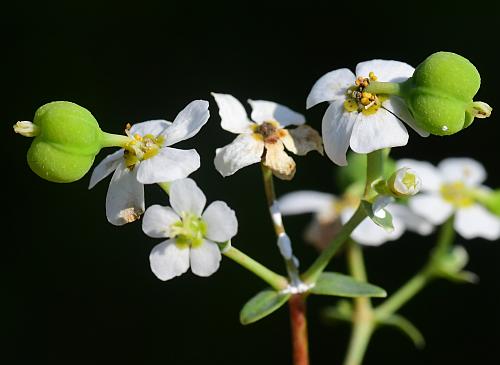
<point>440,93</point>
<point>67,142</point>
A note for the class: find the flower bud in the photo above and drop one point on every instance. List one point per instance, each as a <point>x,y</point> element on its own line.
<point>404,182</point>
<point>440,92</point>
<point>67,139</point>
<point>451,265</point>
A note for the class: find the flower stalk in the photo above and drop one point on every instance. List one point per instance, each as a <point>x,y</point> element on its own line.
<point>276,281</point>
<point>284,244</point>
<point>363,317</point>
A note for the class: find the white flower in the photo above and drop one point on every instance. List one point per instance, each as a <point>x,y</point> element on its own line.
<point>264,138</point>
<point>450,189</point>
<point>331,211</point>
<point>192,234</point>
<point>148,159</point>
<point>365,122</point>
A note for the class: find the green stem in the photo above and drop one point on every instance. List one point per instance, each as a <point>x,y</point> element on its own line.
<point>388,88</point>
<point>114,140</point>
<point>312,274</point>
<point>360,337</point>
<point>356,261</point>
<point>267,177</point>
<point>374,169</point>
<point>363,318</point>
<point>445,238</point>
<point>279,228</point>
<point>392,304</point>
<point>276,281</point>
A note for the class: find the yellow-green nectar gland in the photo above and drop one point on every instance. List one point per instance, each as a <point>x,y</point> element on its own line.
<point>141,147</point>
<point>269,131</point>
<point>457,194</point>
<point>361,101</point>
<point>189,231</point>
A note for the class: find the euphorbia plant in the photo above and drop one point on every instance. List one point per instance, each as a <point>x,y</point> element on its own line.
<point>367,112</point>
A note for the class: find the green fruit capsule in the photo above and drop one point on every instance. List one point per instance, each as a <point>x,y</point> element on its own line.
<point>67,139</point>
<point>440,94</point>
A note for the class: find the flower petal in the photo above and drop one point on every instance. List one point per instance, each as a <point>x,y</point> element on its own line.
<point>385,70</point>
<point>188,122</point>
<point>475,221</point>
<point>331,86</point>
<point>398,107</point>
<point>265,111</point>
<point>302,140</point>
<point>282,165</point>
<point>232,113</point>
<point>306,201</point>
<point>337,128</point>
<point>125,198</point>
<point>410,220</point>
<point>463,169</point>
<point>376,131</point>
<point>105,167</point>
<point>205,259</point>
<point>427,172</point>
<point>432,207</point>
<point>221,221</point>
<point>186,196</point>
<point>167,260</point>
<point>168,165</point>
<point>243,151</point>
<point>154,127</point>
<point>158,220</point>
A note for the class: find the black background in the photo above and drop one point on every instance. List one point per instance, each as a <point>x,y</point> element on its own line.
<point>79,290</point>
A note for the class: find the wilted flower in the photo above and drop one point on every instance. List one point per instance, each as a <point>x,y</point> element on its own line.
<point>263,139</point>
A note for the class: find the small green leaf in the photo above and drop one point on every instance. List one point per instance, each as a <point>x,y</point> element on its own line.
<point>462,277</point>
<point>381,218</point>
<point>332,283</point>
<point>262,305</point>
<point>407,328</point>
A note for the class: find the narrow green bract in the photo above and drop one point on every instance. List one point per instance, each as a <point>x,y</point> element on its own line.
<point>67,144</point>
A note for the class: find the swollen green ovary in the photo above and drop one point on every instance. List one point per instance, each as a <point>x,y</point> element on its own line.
<point>189,231</point>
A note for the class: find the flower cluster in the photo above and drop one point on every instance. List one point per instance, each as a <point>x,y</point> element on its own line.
<point>368,112</point>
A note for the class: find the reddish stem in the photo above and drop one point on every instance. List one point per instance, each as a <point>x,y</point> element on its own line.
<point>298,321</point>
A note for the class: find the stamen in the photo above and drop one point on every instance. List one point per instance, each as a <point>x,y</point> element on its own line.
<point>360,100</point>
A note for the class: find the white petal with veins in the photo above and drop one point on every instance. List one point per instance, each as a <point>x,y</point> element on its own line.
<point>265,111</point>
